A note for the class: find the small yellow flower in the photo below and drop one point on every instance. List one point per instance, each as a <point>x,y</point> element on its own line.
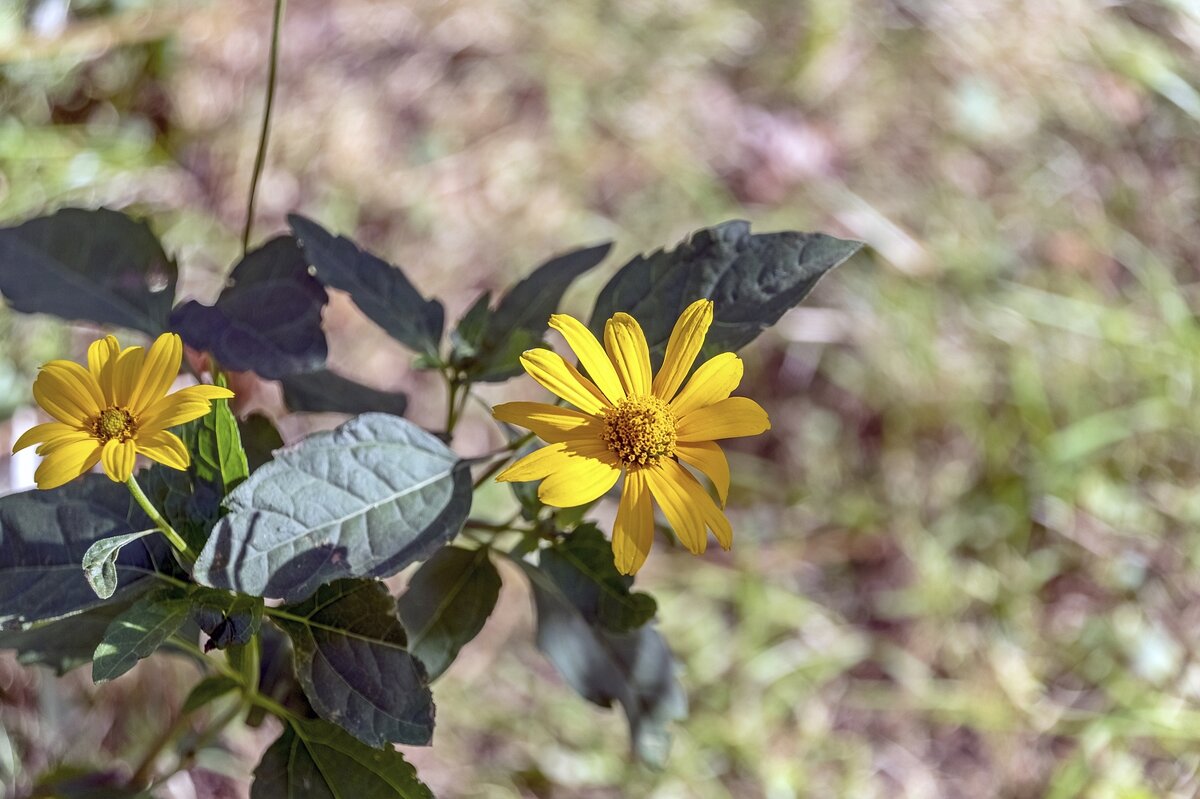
<point>645,425</point>
<point>114,409</point>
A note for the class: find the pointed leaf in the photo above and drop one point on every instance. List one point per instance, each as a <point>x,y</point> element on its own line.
<point>751,278</point>
<point>100,266</point>
<point>216,447</point>
<point>327,392</point>
<point>316,760</point>
<point>268,320</point>
<point>352,663</point>
<point>446,604</point>
<point>364,500</point>
<point>581,564</point>
<point>100,562</point>
<point>380,290</point>
<point>138,632</point>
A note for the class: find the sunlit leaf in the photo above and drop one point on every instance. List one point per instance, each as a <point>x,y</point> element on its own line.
<point>100,561</point>
<point>139,632</point>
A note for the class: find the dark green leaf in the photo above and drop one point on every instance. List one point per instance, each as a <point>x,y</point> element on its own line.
<point>751,278</point>
<point>326,392</point>
<point>96,265</point>
<point>635,669</point>
<point>208,690</point>
<point>581,564</point>
<point>379,289</point>
<point>63,644</point>
<point>191,506</point>
<point>467,337</point>
<point>277,676</point>
<point>446,604</point>
<point>316,760</point>
<point>79,782</point>
<point>44,534</point>
<point>139,631</point>
<point>268,319</point>
<point>100,561</point>
<point>216,446</point>
<point>364,500</point>
<point>352,663</point>
<point>227,619</point>
<point>260,439</point>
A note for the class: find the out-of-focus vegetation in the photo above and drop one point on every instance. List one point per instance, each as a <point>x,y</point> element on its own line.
<point>966,558</point>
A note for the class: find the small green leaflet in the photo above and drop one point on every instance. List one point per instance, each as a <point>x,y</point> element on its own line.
<point>100,562</point>
<point>139,631</point>
<point>216,446</point>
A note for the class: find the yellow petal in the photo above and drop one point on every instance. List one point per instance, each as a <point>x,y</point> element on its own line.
<point>633,532</point>
<point>535,465</point>
<point>730,418</point>
<point>626,346</point>
<point>118,458</point>
<point>102,359</point>
<point>206,391</point>
<point>164,447</point>
<point>65,395</point>
<point>159,370</point>
<point>682,348</point>
<point>126,372</point>
<point>65,463</point>
<point>548,422</point>
<point>713,518</point>
<point>65,439</point>
<point>48,432</point>
<point>709,459</point>
<point>590,354</point>
<point>184,405</point>
<point>713,381</point>
<point>666,480</point>
<point>582,478</point>
<point>563,380</point>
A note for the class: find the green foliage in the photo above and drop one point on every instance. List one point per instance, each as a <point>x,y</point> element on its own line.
<point>65,643</point>
<point>215,442</point>
<point>364,500</point>
<point>581,565</point>
<point>227,619</point>
<point>327,392</point>
<point>100,562</point>
<point>379,289</point>
<point>268,318</point>
<point>751,278</point>
<point>352,663</point>
<point>139,631</point>
<point>260,439</point>
<point>319,761</point>
<point>43,536</point>
<point>191,506</point>
<point>447,602</point>
<point>79,782</point>
<point>208,690</point>
<point>100,266</point>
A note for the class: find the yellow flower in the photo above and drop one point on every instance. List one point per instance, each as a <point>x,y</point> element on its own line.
<point>645,425</point>
<point>114,409</point>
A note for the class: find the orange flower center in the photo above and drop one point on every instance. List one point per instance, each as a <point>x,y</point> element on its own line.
<point>640,430</point>
<point>113,423</point>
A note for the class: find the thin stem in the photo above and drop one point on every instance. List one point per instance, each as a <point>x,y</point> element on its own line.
<point>452,386</point>
<point>261,156</point>
<point>163,525</point>
<point>145,769</point>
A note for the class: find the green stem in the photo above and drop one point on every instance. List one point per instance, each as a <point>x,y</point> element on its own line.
<point>261,156</point>
<point>163,525</point>
<point>145,769</point>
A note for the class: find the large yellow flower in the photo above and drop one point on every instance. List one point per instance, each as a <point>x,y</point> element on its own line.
<point>114,409</point>
<point>643,424</point>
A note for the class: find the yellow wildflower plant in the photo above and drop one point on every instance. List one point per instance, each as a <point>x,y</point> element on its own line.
<point>644,425</point>
<point>112,410</point>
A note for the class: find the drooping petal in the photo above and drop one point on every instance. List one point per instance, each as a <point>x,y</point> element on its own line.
<point>666,482</point>
<point>102,360</point>
<point>710,459</point>
<point>164,447</point>
<point>730,418</point>
<point>626,346</point>
<point>713,518</point>
<point>713,381</point>
<point>687,338</point>
<point>45,433</point>
<point>62,395</point>
<point>552,458</point>
<point>586,475</point>
<point>159,370</point>
<point>65,463</point>
<point>65,439</point>
<point>184,405</point>
<point>591,355</point>
<point>125,374</point>
<point>548,422</point>
<point>563,380</point>
<point>118,458</point>
<point>633,532</point>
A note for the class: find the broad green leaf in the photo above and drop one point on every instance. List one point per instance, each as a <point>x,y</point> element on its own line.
<point>446,604</point>
<point>635,669</point>
<point>44,534</point>
<point>380,290</point>
<point>227,619</point>
<point>216,447</point>
<point>581,564</point>
<point>316,760</point>
<point>364,500</point>
<point>267,320</point>
<point>352,663</point>
<point>260,439</point>
<point>751,278</point>
<point>491,348</point>
<point>100,561</point>
<point>65,643</point>
<point>208,690</point>
<point>326,392</point>
<point>139,631</point>
<point>96,265</point>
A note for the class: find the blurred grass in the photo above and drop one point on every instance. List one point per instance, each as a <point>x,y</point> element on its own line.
<point>966,561</point>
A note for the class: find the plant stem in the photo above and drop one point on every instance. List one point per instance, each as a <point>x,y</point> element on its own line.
<point>261,156</point>
<point>163,525</point>
<point>145,769</point>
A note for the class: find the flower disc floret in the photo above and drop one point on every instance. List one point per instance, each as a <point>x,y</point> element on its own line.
<point>114,423</point>
<point>640,430</point>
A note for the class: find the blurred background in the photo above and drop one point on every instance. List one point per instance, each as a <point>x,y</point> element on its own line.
<point>966,557</point>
